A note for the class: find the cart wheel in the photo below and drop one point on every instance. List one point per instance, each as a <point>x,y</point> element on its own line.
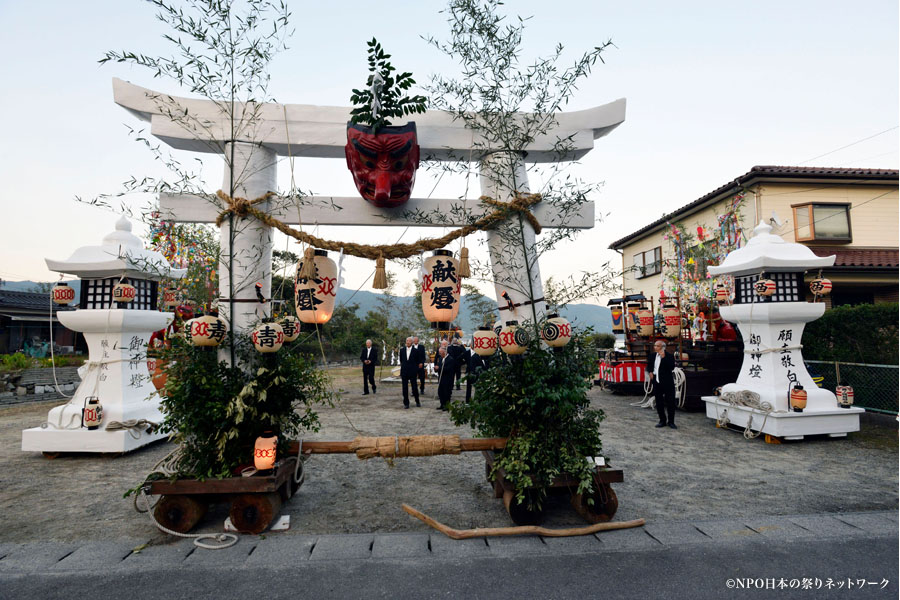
<point>252,513</point>
<point>520,513</point>
<point>50,455</point>
<point>179,513</point>
<point>604,507</point>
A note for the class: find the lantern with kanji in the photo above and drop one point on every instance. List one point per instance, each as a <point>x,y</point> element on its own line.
<point>291,327</point>
<point>315,297</point>
<point>92,413</point>
<point>513,339</point>
<point>264,451</point>
<point>62,293</point>
<point>556,331</point>
<point>644,319</point>
<point>440,285</point>
<point>764,287</point>
<point>844,395</point>
<point>820,286</point>
<point>123,292</point>
<point>721,294</point>
<point>617,323</point>
<point>671,321</point>
<point>798,398</point>
<point>170,298</point>
<point>268,336</point>
<point>208,330</point>
<point>484,341</point>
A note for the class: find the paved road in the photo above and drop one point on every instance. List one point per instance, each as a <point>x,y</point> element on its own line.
<point>846,555</point>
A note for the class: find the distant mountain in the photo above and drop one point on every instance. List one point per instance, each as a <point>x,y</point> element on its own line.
<point>581,315</point>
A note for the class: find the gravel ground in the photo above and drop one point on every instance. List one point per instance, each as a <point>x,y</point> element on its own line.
<point>697,471</point>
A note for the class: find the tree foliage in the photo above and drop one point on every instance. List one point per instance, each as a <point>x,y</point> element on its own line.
<point>862,333</point>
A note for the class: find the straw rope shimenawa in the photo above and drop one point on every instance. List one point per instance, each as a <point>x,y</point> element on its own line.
<point>520,204</point>
<point>404,446</point>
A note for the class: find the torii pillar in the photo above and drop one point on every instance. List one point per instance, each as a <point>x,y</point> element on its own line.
<point>320,131</point>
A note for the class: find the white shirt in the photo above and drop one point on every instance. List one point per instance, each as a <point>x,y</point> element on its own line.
<point>656,364</point>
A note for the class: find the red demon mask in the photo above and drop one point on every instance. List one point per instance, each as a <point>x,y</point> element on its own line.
<point>383,165</point>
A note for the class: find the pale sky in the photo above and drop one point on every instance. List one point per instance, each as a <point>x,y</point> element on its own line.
<point>713,88</point>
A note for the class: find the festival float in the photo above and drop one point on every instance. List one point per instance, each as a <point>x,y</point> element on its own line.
<point>773,392</point>
<point>115,408</point>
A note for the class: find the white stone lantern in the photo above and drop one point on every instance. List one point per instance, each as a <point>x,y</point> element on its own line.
<point>772,327</point>
<point>117,335</point>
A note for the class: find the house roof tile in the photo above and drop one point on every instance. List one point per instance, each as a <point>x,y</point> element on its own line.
<point>861,257</point>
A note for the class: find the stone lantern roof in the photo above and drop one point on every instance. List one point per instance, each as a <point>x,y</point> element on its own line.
<point>121,253</point>
<point>768,252</point>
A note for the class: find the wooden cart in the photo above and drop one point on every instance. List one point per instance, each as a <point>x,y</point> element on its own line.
<point>602,508</point>
<point>255,501</point>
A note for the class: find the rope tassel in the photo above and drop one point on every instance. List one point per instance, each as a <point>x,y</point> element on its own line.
<point>308,267</point>
<point>380,280</point>
<point>464,263</point>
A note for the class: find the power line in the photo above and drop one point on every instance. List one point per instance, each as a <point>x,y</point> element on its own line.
<point>851,144</point>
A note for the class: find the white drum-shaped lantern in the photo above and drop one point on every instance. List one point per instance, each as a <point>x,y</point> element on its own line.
<point>721,294</point>
<point>618,325</point>
<point>764,287</point>
<point>92,413</point>
<point>268,337</point>
<point>291,327</point>
<point>645,322</point>
<point>315,297</point>
<point>820,286</point>
<point>170,298</point>
<point>207,330</point>
<point>62,293</point>
<point>484,341</point>
<point>440,287</point>
<point>123,292</point>
<point>556,331</point>
<point>671,321</point>
<point>513,339</point>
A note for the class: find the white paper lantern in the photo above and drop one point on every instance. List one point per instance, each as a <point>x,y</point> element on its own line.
<point>315,297</point>
<point>440,286</point>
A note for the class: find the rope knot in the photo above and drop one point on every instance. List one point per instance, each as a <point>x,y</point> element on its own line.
<point>521,203</point>
<point>239,207</point>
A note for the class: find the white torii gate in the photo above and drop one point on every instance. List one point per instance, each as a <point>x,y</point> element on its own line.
<point>314,131</point>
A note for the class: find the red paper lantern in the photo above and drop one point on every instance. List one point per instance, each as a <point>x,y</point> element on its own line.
<point>764,287</point>
<point>62,293</point>
<point>513,339</point>
<point>123,292</point>
<point>484,341</point>
<point>264,451</point>
<point>798,398</point>
<point>268,337</point>
<point>556,331</point>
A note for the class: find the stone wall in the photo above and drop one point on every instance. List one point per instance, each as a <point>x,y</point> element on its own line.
<point>36,385</point>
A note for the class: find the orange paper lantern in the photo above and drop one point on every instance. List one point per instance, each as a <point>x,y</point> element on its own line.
<point>798,398</point>
<point>264,451</point>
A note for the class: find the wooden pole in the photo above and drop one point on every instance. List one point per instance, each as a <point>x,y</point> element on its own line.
<point>336,447</point>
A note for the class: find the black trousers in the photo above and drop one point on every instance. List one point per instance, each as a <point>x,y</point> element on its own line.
<point>368,377</point>
<point>665,401</point>
<point>421,378</point>
<point>407,379</point>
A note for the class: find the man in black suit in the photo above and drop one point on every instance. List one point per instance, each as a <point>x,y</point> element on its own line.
<point>420,348</point>
<point>369,358</point>
<point>409,371</point>
<point>457,351</point>
<point>446,373</point>
<point>476,365</point>
<point>660,365</point>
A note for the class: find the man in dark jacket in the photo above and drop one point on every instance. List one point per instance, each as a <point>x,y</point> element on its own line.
<point>446,373</point>
<point>409,371</point>
<point>369,358</point>
<point>420,349</point>
<point>457,351</point>
<point>476,365</point>
<point>660,367</point>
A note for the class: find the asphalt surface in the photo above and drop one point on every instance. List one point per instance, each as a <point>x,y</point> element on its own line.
<point>846,555</point>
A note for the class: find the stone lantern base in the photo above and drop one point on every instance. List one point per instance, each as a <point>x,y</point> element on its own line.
<point>837,422</point>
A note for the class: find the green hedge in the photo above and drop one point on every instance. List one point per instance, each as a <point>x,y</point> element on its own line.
<point>863,333</point>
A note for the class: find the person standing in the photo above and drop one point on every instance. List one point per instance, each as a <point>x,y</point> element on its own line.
<point>475,366</point>
<point>446,372</point>
<point>409,371</point>
<point>457,351</point>
<point>660,368</point>
<point>369,358</point>
<point>420,349</point>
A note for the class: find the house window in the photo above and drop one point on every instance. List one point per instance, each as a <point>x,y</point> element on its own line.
<point>822,222</point>
<point>648,263</point>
